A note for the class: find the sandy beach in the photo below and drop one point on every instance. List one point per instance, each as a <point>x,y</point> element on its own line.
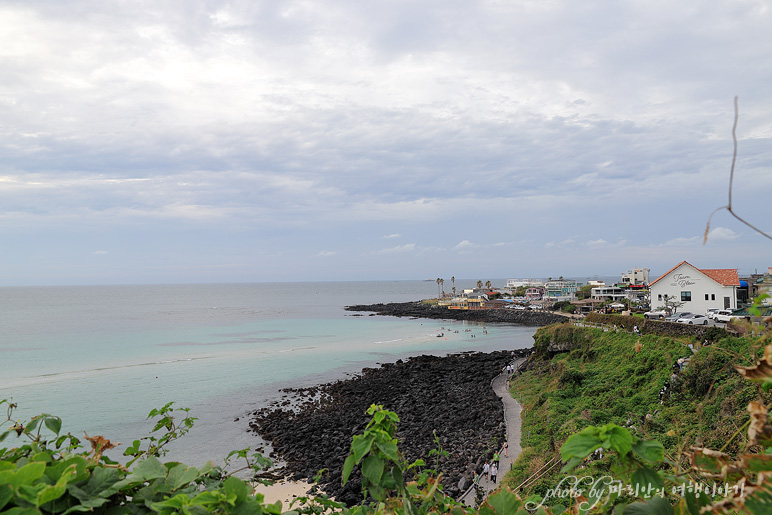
<point>285,491</point>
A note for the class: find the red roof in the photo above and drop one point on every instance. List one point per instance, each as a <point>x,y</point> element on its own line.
<point>723,276</point>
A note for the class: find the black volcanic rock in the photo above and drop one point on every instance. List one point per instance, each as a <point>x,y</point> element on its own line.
<point>451,396</point>
<point>420,309</point>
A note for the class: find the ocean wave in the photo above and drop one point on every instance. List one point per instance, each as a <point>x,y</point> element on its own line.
<point>295,349</point>
<point>23,381</point>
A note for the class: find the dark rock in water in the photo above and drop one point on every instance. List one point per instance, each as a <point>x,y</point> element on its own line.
<point>421,310</point>
<point>451,396</point>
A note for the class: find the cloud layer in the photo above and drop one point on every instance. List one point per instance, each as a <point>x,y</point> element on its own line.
<point>249,141</point>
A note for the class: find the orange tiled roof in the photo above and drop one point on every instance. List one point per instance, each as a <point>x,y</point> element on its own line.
<point>723,276</point>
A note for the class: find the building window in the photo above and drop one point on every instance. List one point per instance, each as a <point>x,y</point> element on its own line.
<point>659,297</point>
<point>706,296</point>
<point>686,296</point>
<point>712,296</point>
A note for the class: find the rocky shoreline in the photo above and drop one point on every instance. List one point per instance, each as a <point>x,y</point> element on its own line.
<point>420,309</point>
<point>312,428</point>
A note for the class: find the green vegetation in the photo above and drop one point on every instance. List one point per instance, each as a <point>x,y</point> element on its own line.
<point>564,306</point>
<point>608,383</point>
<point>585,292</point>
<point>52,473</point>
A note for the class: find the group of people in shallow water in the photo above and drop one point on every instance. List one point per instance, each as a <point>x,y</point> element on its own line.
<point>484,331</point>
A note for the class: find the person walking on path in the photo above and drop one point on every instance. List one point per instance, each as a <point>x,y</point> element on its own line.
<point>512,421</point>
<point>496,458</point>
<point>494,473</point>
<point>476,482</point>
<point>506,445</point>
<point>486,470</point>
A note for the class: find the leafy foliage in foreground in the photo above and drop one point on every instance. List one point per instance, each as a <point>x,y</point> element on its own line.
<point>53,473</point>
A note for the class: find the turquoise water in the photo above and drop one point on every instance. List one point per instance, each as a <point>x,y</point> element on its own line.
<point>101,357</point>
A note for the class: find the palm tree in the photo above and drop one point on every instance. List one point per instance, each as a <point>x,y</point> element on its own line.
<point>488,284</point>
<point>453,281</point>
<point>438,287</point>
<point>479,284</point>
<point>442,285</point>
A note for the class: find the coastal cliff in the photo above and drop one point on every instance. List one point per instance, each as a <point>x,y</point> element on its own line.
<point>420,309</point>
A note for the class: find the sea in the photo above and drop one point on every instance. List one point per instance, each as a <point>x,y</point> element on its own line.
<point>102,357</point>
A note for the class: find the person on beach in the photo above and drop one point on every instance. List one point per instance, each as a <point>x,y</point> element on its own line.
<point>486,470</point>
<point>494,473</point>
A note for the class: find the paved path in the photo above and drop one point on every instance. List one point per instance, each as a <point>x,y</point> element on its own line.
<point>512,410</point>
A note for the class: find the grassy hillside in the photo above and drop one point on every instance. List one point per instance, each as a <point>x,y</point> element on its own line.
<point>616,377</point>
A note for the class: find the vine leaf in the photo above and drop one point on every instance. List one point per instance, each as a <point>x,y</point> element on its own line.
<point>762,371</point>
<point>759,430</point>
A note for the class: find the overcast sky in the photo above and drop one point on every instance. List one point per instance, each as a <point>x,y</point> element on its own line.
<point>215,141</point>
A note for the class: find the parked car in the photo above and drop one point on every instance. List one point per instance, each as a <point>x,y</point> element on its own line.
<point>725,315</point>
<point>711,312</point>
<point>675,316</point>
<point>659,315</point>
<point>695,319</point>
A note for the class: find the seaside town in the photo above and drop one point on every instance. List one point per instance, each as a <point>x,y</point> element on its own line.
<point>684,294</point>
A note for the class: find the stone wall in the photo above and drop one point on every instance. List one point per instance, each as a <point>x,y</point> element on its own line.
<point>658,327</point>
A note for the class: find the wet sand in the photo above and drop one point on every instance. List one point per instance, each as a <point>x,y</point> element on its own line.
<point>285,491</point>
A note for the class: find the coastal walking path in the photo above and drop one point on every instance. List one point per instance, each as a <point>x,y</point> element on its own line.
<point>512,410</point>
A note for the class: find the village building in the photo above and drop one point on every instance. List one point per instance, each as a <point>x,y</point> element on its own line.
<point>535,293</point>
<point>761,284</point>
<point>636,276</point>
<point>525,283</point>
<point>612,293</point>
<point>561,289</point>
<point>699,290</point>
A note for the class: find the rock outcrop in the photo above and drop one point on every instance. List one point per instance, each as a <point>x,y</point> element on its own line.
<point>451,396</point>
<point>423,310</point>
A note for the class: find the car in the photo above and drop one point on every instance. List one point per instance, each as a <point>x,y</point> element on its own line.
<point>675,316</point>
<point>696,319</point>
<point>711,312</point>
<point>725,315</point>
<point>659,314</point>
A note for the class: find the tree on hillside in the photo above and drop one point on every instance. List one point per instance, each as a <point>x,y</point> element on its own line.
<point>585,292</point>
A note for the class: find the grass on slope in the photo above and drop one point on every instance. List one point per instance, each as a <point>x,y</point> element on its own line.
<point>611,377</point>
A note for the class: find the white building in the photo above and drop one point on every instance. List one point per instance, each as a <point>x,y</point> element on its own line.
<point>636,276</point>
<point>525,283</point>
<point>698,289</point>
<point>608,293</point>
